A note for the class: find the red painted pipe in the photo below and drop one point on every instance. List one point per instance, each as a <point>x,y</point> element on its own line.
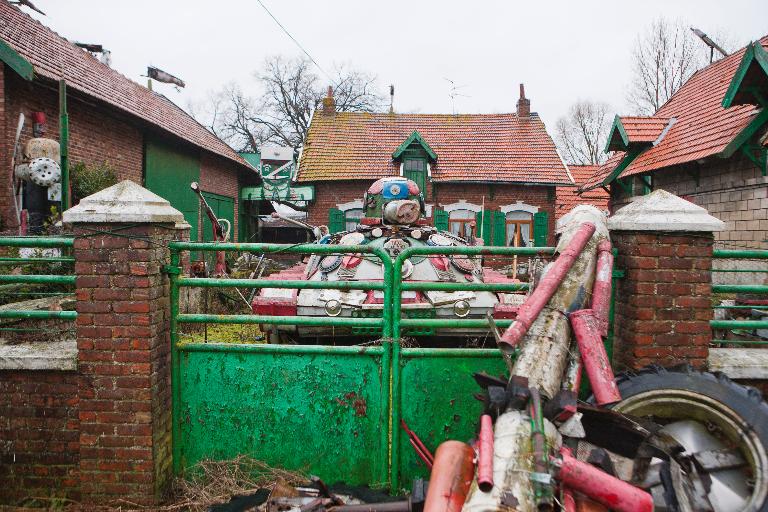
<point>569,500</point>
<point>586,328</point>
<point>598,485</point>
<point>601,290</point>
<point>533,305</point>
<point>485,454</point>
<point>451,477</point>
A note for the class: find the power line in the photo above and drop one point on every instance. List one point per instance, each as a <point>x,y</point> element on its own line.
<point>294,40</point>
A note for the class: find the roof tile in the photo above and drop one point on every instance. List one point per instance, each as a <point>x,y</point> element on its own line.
<point>567,197</point>
<point>469,147</point>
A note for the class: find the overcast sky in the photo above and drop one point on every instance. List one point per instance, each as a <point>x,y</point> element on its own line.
<point>562,50</point>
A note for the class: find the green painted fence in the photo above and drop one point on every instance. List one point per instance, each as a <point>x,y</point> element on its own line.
<point>331,411</point>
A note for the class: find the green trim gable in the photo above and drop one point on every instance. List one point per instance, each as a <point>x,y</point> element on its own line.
<point>617,138</point>
<point>749,85</point>
<point>16,62</point>
<point>629,157</point>
<point>415,137</point>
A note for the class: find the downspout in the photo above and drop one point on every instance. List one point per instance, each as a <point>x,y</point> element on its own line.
<point>64,144</point>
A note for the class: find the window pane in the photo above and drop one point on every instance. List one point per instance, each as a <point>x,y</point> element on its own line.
<point>519,215</point>
<point>415,164</point>
<point>525,235</point>
<point>461,214</point>
<point>351,218</point>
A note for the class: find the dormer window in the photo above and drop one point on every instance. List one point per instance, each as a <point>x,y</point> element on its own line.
<point>415,156</point>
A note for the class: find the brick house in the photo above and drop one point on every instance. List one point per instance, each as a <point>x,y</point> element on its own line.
<point>139,133</point>
<point>568,197</point>
<point>708,144</point>
<point>497,170</point>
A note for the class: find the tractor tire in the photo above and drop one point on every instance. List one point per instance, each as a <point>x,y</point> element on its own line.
<point>706,410</point>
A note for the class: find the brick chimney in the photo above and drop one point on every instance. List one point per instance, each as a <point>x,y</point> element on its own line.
<point>523,104</point>
<point>329,104</point>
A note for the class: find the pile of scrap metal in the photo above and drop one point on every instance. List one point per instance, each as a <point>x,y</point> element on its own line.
<point>691,442</point>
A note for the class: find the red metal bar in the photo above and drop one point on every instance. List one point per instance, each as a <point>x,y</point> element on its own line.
<point>601,290</point>
<point>569,501</point>
<point>451,477</point>
<point>485,454</point>
<point>421,450</point>
<point>533,305</point>
<point>607,490</point>
<point>586,328</point>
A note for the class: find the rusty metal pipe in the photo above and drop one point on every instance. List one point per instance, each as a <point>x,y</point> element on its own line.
<point>533,305</point>
<point>485,454</point>
<point>586,328</point>
<point>451,477</point>
<point>392,506</point>
<point>601,290</point>
<point>607,490</point>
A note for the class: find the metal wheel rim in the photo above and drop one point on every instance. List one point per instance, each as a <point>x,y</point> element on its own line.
<point>691,405</point>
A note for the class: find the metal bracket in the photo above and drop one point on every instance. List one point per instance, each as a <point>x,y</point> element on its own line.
<point>171,269</point>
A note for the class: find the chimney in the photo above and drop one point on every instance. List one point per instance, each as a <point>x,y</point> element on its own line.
<point>329,104</point>
<point>523,104</point>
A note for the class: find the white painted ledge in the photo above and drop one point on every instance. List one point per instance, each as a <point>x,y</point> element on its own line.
<point>53,355</point>
<point>739,363</point>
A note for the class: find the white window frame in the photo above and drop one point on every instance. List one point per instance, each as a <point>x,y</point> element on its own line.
<point>462,205</point>
<point>519,206</point>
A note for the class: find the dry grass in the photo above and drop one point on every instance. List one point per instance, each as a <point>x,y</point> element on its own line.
<point>212,483</point>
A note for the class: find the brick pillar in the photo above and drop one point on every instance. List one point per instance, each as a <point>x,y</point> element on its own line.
<point>663,305</point>
<point>123,345</point>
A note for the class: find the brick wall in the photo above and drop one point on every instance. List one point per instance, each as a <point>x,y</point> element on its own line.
<point>97,134</point>
<point>39,435</point>
<point>219,176</point>
<point>328,194</point>
<point>663,304</point>
<point>733,190</point>
<point>124,358</point>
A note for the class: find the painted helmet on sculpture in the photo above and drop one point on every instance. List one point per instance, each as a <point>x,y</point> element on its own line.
<point>394,200</point>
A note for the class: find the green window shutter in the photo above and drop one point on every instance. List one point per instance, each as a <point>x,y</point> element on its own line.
<point>440,219</point>
<point>336,220</point>
<point>499,229</point>
<point>483,220</point>
<point>540,229</point>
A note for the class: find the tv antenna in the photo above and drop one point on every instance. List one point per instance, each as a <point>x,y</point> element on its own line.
<point>709,42</point>
<point>453,93</point>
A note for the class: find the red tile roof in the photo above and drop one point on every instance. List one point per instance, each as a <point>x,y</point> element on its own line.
<point>54,57</point>
<point>567,198</point>
<point>644,129</point>
<point>469,147</point>
<point>703,127</point>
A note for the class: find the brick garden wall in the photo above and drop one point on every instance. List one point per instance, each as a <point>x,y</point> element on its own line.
<point>39,435</point>
<point>663,304</point>
<point>97,134</point>
<point>331,193</point>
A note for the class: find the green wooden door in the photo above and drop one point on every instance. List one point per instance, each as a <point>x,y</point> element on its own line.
<point>168,171</point>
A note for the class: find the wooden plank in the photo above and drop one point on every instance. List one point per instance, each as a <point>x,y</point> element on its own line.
<point>739,363</point>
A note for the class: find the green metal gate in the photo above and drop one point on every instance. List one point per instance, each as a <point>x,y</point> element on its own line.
<point>332,411</point>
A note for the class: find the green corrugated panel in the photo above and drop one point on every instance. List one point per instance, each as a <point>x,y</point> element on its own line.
<point>437,401</point>
<point>168,172</point>
<point>314,412</point>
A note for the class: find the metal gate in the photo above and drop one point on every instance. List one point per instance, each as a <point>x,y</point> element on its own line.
<point>333,411</point>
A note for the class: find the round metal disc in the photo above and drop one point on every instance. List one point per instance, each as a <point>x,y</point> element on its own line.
<point>440,240</point>
<point>352,239</point>
<point>330,263</point>
<point>463,263</point>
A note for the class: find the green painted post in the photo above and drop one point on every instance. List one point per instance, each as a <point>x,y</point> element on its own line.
<point>64,144</point>
<point>386,405</point>
<point>173,277</point>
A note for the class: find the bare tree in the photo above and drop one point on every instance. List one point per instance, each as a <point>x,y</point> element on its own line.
<point>290,91</point>
<point>581,135</point>
<point>664,58</point>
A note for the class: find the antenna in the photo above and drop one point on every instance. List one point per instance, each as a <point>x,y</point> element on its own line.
<point>709,42</point>
<point>453,94</point>
<point>391,98</point>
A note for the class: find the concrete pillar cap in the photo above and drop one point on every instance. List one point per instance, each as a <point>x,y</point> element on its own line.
<point>663,211</point>
<point>123,202</point>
